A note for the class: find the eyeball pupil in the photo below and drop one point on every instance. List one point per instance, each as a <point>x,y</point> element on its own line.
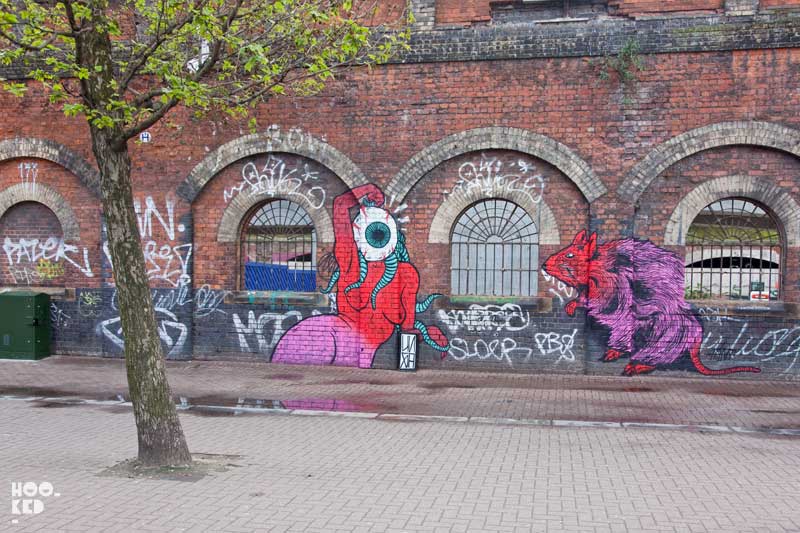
<point>378,234</point>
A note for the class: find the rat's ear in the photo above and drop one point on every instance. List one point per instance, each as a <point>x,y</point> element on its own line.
<point>592,244</point>
<point>580,238</point>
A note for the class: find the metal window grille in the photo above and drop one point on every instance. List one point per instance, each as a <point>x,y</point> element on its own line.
<point>494,251</point>
<point>279,249</point>
<point>733,251</point>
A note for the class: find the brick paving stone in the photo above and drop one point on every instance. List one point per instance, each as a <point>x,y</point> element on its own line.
<point>729,402</point>
<point>298,473</point>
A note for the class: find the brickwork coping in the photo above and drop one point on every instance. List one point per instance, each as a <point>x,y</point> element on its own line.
<point>293,142</point>
<point>37,192</point>
<point>502,138</point>
<point>777,200</point>
<point>670,152</point>
<point>55,152</point>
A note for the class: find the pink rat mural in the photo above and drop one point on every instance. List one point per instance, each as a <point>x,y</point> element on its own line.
<point>379,291</point>
<point>635,289</point>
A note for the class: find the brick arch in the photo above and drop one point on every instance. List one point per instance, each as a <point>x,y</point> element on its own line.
<point>293,142</point>
<point>780,202</point>
<point>500,138</point>
<point>233,215</point>
<point>29,192</point>
<point>448,212</point>
<point>55,152</point>
<point>670,152</point>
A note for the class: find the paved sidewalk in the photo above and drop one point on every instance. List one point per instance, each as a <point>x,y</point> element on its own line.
<point>332,474</point>
<point>647,399</point>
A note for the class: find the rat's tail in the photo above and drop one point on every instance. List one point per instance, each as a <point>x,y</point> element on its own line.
<point>703,369</point>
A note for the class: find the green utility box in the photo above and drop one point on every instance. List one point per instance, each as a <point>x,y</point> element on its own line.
<point>24,325</point>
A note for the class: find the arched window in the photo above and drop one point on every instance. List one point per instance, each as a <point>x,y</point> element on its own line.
<point>33,246</point>
<point>278,249</point>
<point>494,251</point>
<point>733,251</point>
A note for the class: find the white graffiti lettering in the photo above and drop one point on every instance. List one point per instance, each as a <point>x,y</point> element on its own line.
<point>24,275</point>
<point>58,318</point>
<point>28,172</point>
<point>776,344</point>
<point>496,349</point>
<point>257,327</point>
<point>145,219</point>
<point>171,299</point>
<point>53,249</point>
<point>555,343</point>
<point>171,332</point>
<point>207,301</point>
<point>490,178</point>
<point>166,262</point>
<point>506,317</point>
<point>275,178</point>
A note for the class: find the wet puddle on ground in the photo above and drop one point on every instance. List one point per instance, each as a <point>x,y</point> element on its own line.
<point>212,406</point>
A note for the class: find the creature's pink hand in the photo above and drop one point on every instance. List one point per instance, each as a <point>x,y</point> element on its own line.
<point>571,307</point>
<point>372,193</point>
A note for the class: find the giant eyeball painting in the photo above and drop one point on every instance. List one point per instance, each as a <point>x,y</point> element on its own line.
<point>375,232</point>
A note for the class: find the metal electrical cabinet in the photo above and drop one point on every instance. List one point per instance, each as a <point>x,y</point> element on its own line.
<point>24,325</point>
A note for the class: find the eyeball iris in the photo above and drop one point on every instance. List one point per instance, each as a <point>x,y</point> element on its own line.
<point>377,234</point>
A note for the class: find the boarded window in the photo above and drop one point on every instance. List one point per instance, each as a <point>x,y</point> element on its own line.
<point>494,251</point>
<point>733,251</point>
<point>279,249</point>
<point>33,247</point>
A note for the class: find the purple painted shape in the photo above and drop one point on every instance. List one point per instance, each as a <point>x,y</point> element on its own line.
<point>639,297</point>
<point>320,340</point>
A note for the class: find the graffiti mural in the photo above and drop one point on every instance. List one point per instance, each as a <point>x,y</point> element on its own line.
<point>376,289</point>
<point>34,259</point>
<point>635,290</point>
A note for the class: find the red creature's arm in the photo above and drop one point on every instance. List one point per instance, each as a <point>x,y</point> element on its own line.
<point>408,281</point>
<point>345,248</point>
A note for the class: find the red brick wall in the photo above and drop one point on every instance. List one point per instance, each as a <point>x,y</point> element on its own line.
<point>778,3</point>
<point>453,11</point>
<point>35,221</point>
<point>476,11</point>
<point>382,119</point>
<point>649,7</point>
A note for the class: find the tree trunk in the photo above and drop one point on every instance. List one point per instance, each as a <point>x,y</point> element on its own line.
<point>161,439</point>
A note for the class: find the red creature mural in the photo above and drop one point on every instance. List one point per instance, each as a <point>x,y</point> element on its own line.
<point>635,289</point>
<point>380,287</point>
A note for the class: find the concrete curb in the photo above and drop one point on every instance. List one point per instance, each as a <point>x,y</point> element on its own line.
<point>393,417</point>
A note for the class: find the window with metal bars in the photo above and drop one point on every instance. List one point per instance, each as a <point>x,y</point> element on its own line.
<point>494,251</point>
<point>733,251</point>
<point>278,249</point>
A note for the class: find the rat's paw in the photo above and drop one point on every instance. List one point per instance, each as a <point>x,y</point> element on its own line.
<point>571,307</point>
<point>612,355</point>
<point>633,369</point>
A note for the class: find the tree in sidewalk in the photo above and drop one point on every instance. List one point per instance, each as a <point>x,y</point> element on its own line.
<point>124,65</point>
